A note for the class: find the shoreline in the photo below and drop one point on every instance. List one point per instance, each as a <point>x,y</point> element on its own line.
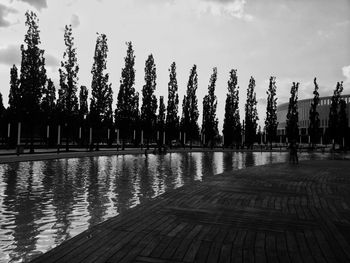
<point>51,154</point>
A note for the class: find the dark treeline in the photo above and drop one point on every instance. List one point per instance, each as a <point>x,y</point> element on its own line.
<point>40,118</point>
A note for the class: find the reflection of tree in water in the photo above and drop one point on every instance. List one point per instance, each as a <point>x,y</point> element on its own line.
<point>98,185</point>
<point>189,168</point>
<point>227,162</point>
<point>161,175</point>
<point>208,164</point>
<point>124,184</point>
<point>147,180</point>
<point>249,159</point>
<point>23,200</point>
<point>63,199</point>
<point>170,175</point>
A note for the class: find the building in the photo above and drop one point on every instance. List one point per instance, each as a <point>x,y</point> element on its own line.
<point>303,110</point>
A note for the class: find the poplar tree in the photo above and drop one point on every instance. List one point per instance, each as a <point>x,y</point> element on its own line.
<point>271,112</point>
<point>83,102</point>
<point>127,110</point>
<point>2,116</point>
<point>314,124</point>
<point>343,128</point>
<point>33,76</point>
<point>333,122</point>
<point>69,78</point>
<point>190,114</point>
<point>2,108</point>
<point>232,125</point>
<point>161,118</point>
<point>83,112</point>
<point>48,103</point>
<point>68,84</point>
<point>292,126</point>
<point>210,121</point>
<point>14,95</point>
<point>251,114</point>
<point>149,100</point>
<point>101,91</point>
<point>172,118</point>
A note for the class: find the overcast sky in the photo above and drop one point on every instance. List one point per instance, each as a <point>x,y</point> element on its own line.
<point>294,40</point>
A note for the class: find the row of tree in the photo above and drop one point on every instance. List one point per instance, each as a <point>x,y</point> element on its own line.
<point>33,102</point>
<point>338,127</point>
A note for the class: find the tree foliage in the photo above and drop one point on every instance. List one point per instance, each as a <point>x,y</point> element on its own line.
<point>68,72</point>
<point>190,114</point>
<point>343,125</point>
<point>333,122</point>
<point>33,72</point>
<point>101,91</point>
<point>83,102</point>
<point>161,114</point>
<point>232,125</point>
<point>127,111</point>
<point>314,124</point>
<point>172,118</point>
<point>48,103</point>
<point>149,100</point>
<point>271,112</point>
<point>210,121</point>
<point>292,127</point>
<point>251,114</point>
<point>14,95</point>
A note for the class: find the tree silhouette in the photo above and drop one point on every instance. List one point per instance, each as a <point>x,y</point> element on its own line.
<point>343,128</point>
<point>149,100</point>
<point>161,118</point>
<point>68,83</point>
<point>271,112</point>
<point>127,111</point>
<point>33,75</point>
<point>101,90</point>
<point>314,125</point>
<point>2,108</point>
<point>48,102</point>
<point>83,112</point>
<point>292,127</point>
<point>210,121</point>
<point>14,95</point>
<point>83,103</point>
<point>251,114</point>
<point>190,114</point>
<point>333,112</point>
<point>2,116</point>
<point>232,125</point>
<point>69,77</point>
<point>172,118</point>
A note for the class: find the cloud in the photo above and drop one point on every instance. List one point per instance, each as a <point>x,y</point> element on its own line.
<point>232,8</point>
<point>38,4</point>
<point>75,21</point>
<point>10,55</point>
<point>346,73</point>
<point>4,11</point>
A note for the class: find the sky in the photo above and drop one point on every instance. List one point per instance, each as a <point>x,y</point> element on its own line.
<point>293,40</point>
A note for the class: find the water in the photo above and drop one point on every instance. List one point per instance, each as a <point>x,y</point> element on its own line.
<point>43,203</point>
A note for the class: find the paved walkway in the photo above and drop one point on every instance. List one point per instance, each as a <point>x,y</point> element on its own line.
<point>274,213</point>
